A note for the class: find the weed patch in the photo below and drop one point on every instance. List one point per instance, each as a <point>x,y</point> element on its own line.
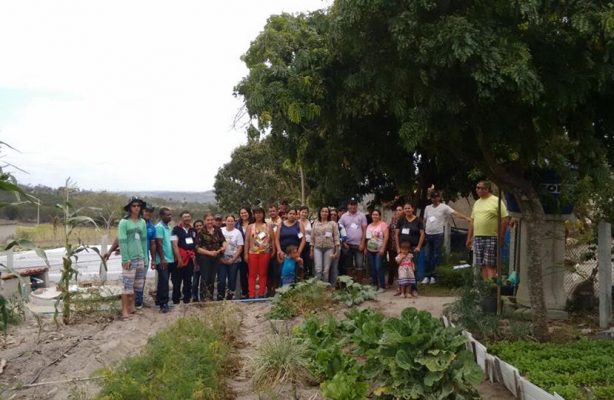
<point>467,311</point>
<point>94,303</point>
<point>12,311</point>
<point>301,298</point>
<point>304,298</point>
<point>188,360</point>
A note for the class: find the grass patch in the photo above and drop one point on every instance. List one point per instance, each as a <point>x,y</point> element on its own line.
<point>188,360</point>
<point>436,291</point>
<point>46,236</point>
<point>575,370</point>
<point>279,360</point>
<point>449,277</point>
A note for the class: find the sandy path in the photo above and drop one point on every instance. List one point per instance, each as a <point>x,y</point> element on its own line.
<point>79,350</point>
<point>75,351</point>
<point>253,328</point>
<point>391,305</point>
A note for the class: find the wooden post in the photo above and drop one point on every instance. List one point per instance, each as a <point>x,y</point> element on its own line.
<point>103,250</point>
<point>447,237</point>
<point>604,257</point>
<point>10,263</point>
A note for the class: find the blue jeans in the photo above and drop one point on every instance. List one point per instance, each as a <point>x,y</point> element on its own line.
<point>433,245</point>
<point>225,273</point>
<point>376,261</point>
<point>162,288</point>
<point>334,271</point>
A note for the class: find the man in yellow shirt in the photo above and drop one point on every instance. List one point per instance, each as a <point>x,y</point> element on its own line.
<point>483,229</point>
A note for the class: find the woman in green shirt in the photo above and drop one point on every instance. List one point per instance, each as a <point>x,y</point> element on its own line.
<point>132,237</point>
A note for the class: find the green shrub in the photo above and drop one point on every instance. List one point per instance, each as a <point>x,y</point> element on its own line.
<point>11,312</point>
<point>467,312</point>
<point>449,277</point>
<point>188,360</point>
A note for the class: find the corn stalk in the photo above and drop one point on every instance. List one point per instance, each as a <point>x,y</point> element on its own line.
<point>71,220</point>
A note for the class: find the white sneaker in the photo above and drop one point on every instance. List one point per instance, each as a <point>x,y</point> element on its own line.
<point>433,281</point>
<point>425,281</point>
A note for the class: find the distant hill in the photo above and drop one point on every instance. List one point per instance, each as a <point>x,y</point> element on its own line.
<point>207,197</point>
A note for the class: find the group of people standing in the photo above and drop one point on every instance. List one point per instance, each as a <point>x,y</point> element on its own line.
<point>264,253</point>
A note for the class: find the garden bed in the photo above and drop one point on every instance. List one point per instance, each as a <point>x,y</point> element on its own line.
<point>578,370</point>
<point>45,361</point>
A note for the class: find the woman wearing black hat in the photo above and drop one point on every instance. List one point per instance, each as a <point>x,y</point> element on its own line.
<point>132,237</point>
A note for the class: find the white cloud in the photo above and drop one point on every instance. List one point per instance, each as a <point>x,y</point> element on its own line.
<point>127,95</point>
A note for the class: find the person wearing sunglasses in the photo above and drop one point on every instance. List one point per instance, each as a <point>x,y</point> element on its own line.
<point>132,238</point>
<point>483,232</point>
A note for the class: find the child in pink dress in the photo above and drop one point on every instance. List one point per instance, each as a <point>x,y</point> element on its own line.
<point>407,269</point>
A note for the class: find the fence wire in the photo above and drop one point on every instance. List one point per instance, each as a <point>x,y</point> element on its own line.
<point>581,282</point>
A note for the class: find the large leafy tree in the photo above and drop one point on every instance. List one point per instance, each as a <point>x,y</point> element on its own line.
<point>255,174</point>
<point>511,88</point>
<point>389,94</point>
<point>292,95</point>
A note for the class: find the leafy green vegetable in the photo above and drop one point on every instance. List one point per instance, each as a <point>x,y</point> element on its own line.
<point>353,293</point>
<point>571,369</point>
<point>345,386</point>
<point>410,357</point>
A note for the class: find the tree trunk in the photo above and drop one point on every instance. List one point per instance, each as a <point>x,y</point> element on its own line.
<point>534,216</point>
<point>300,171</point>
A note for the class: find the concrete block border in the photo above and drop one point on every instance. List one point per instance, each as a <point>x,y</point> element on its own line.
<point>501,372</point>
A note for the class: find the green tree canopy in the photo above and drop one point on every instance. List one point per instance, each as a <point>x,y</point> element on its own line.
<point>386,95</point>
<point>256,173</point>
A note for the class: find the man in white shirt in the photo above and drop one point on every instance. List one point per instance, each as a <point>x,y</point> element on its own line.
<point>435,217</point>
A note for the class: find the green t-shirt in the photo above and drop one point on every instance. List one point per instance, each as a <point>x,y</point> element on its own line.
<point>484,216</point>
<point>164,233</point>
<point>132,238</point>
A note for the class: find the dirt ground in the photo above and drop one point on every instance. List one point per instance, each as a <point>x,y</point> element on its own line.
<point>42,359</point>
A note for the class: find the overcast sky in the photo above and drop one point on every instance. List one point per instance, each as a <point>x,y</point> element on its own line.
<point>126,95</point>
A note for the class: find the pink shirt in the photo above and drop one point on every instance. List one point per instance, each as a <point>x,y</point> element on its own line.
<point>375,235</point>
